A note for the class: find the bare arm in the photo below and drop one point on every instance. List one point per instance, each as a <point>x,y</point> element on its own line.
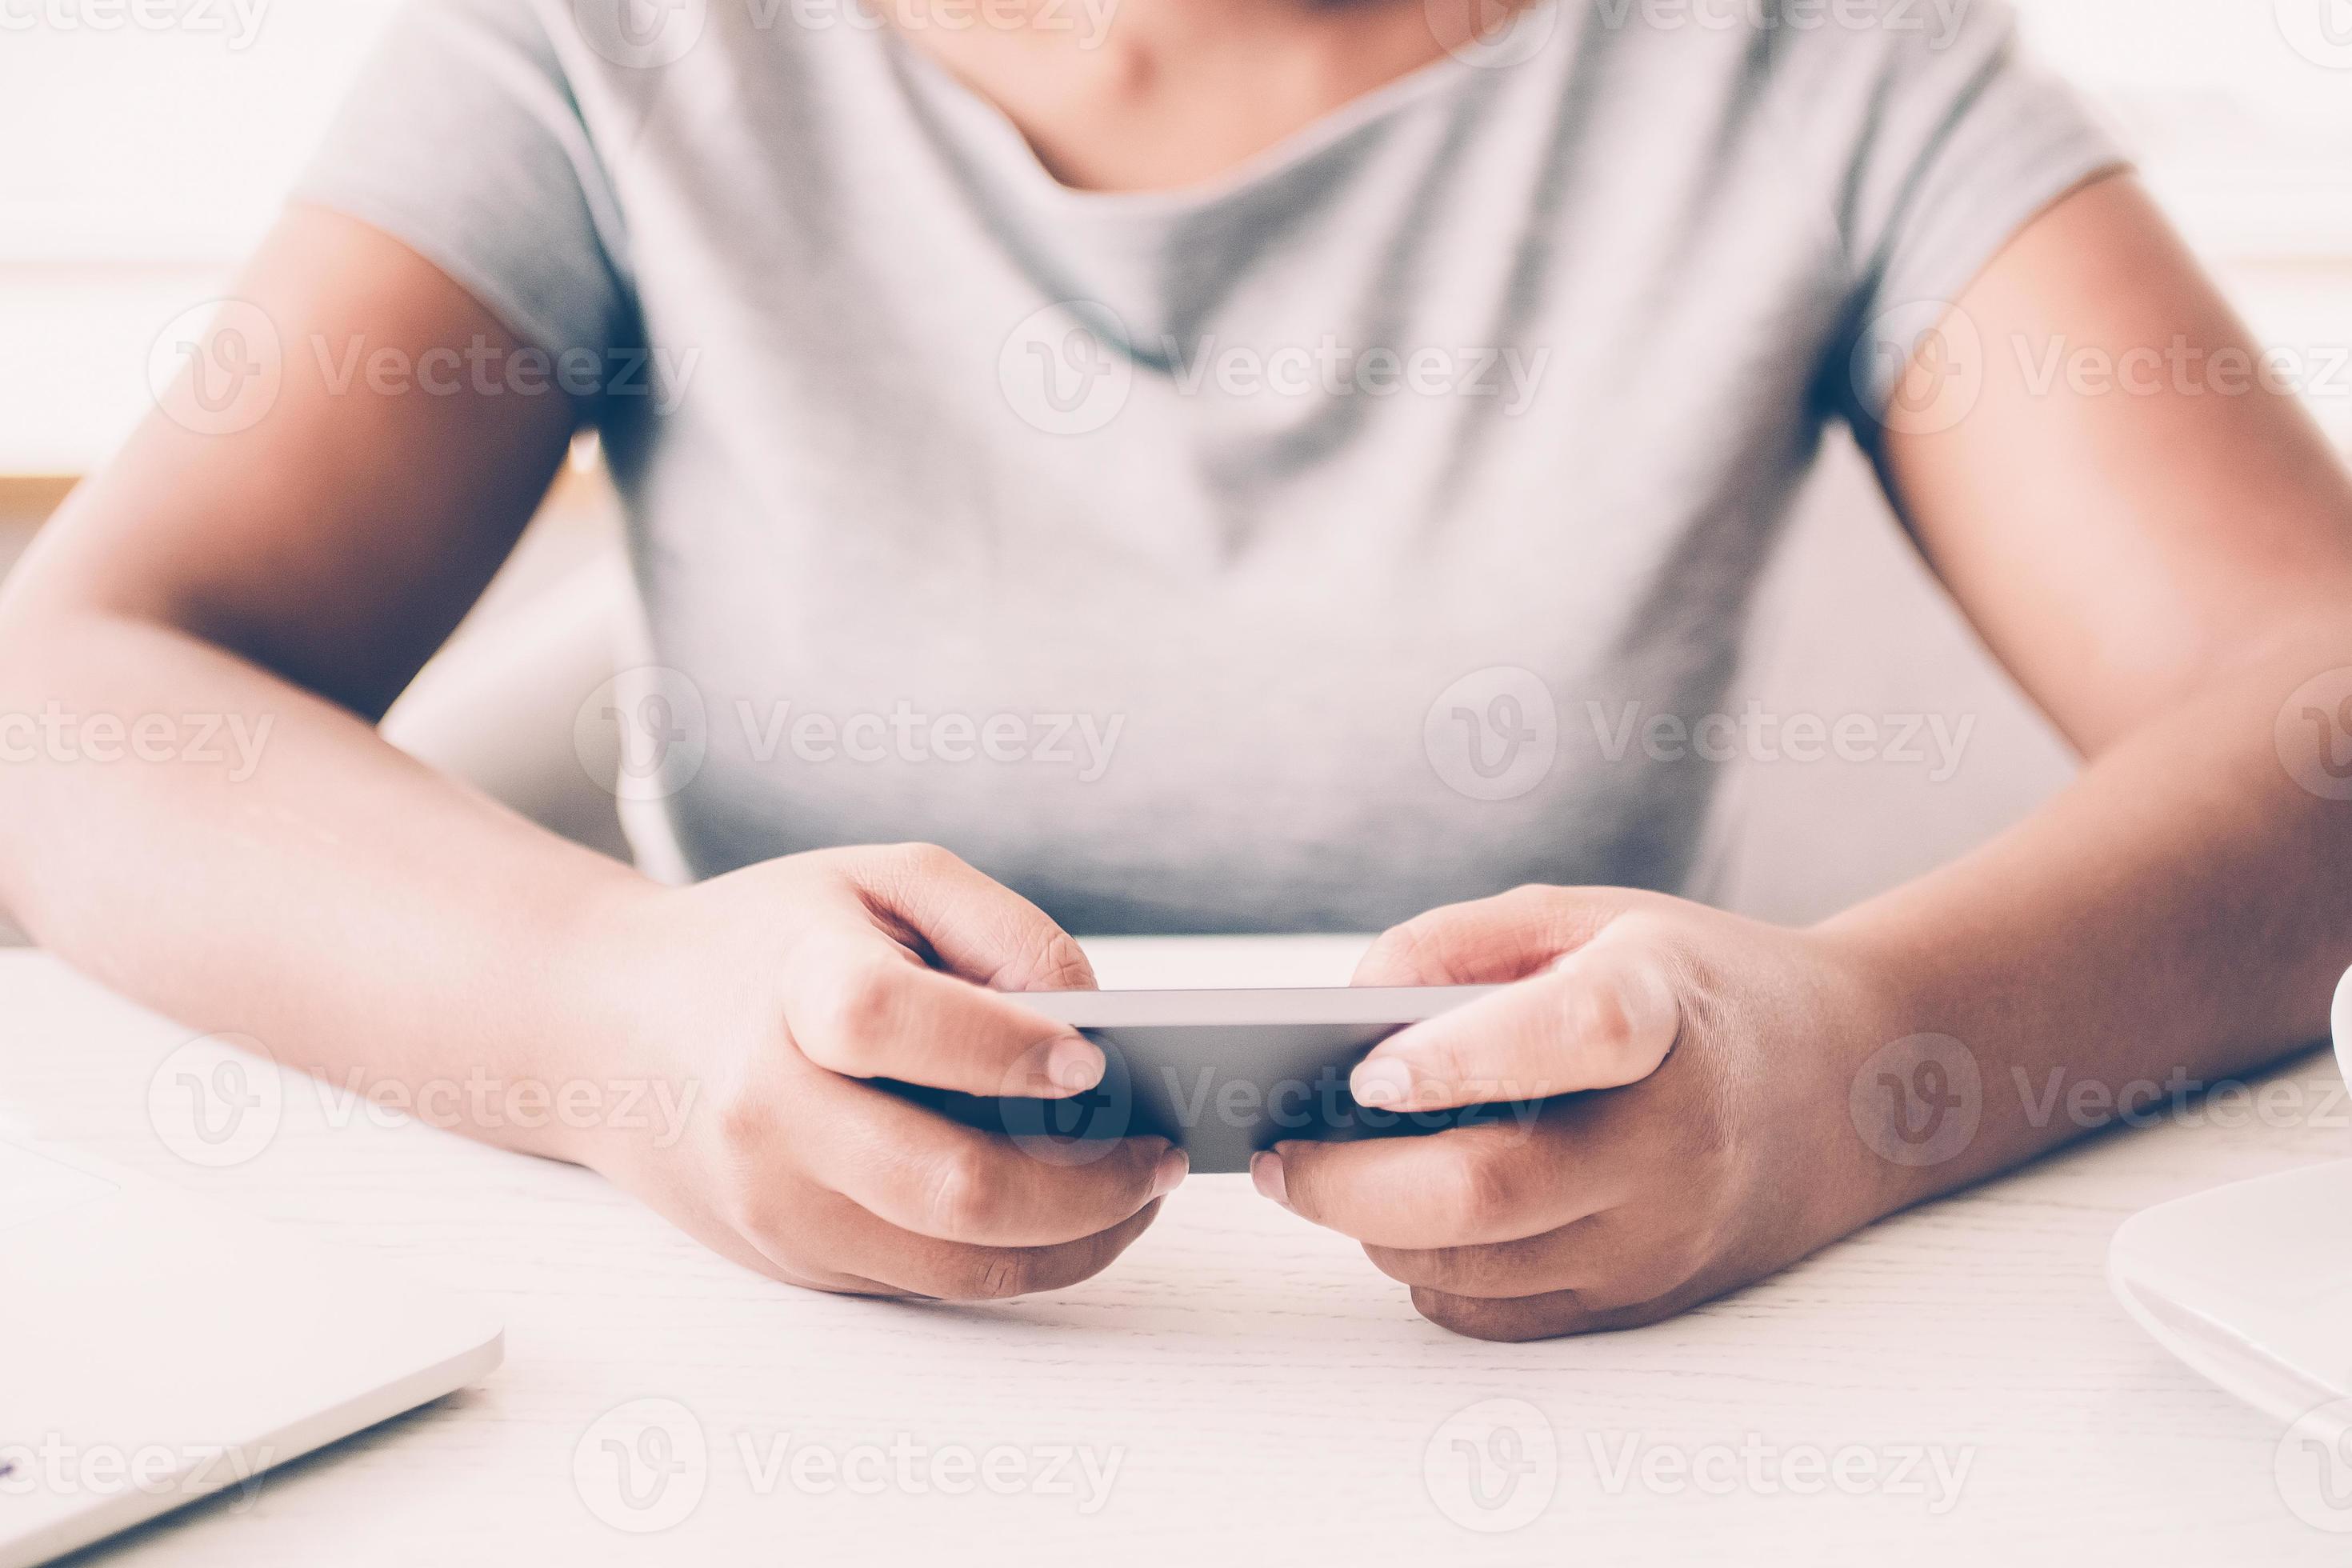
<point>2165,567</point>
<point>366,919</point>
<point>2163,564</point>
<point>289,577</point>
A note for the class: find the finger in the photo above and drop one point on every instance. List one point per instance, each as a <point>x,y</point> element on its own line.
<point>1490,941</point>
<point>1545,1317</point>
<point>960,1271</point>
<point>750,1247</point>
<point>858,1004</point>
<point>1604,1015</point>
<point>1608,1259</point>
<point>1569,1258</point>
<point>1498,1181</point>
<point>922,1173</point>
<point>976,927</point>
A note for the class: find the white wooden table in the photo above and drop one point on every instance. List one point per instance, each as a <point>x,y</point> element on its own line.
<point>1262,1393</point>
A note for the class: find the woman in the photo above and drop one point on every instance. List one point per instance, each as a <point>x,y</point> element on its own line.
<point>1305,401</point>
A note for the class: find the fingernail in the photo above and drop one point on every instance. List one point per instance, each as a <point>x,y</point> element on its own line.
<point>1170,1173</point>
<point>1382,1081</point>
<point>1265,1175</point>
<point>1075,1064</point>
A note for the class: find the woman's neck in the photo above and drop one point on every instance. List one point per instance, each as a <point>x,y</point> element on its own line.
<point>1127,95</point>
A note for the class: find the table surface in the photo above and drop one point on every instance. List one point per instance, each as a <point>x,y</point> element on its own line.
<point>1952,1383</point>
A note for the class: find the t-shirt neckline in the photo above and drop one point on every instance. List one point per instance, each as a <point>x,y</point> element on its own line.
<point>1259,170</point>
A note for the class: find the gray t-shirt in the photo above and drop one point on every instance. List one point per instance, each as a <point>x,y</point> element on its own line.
<point>1351,534</point>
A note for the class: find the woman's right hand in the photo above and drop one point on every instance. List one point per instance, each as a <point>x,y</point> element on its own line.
<point>770,993</point>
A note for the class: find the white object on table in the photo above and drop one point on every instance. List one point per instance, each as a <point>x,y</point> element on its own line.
<point>161,1348</point>
<point>2251,1285</point>
<point>1953,1384</point>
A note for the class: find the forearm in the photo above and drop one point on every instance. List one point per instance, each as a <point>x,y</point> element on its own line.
<point>2176,916</point>
<point>262,863</point>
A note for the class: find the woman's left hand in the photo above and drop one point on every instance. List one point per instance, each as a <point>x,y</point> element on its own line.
<point>1705,1137</point>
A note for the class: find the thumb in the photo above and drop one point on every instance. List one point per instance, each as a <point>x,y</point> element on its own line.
<point>1605,1015</point>
<point>1490,941</point>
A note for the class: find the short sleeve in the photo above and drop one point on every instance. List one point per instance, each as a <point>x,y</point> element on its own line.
<point>1962,141</point>
<point>462,140</point>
